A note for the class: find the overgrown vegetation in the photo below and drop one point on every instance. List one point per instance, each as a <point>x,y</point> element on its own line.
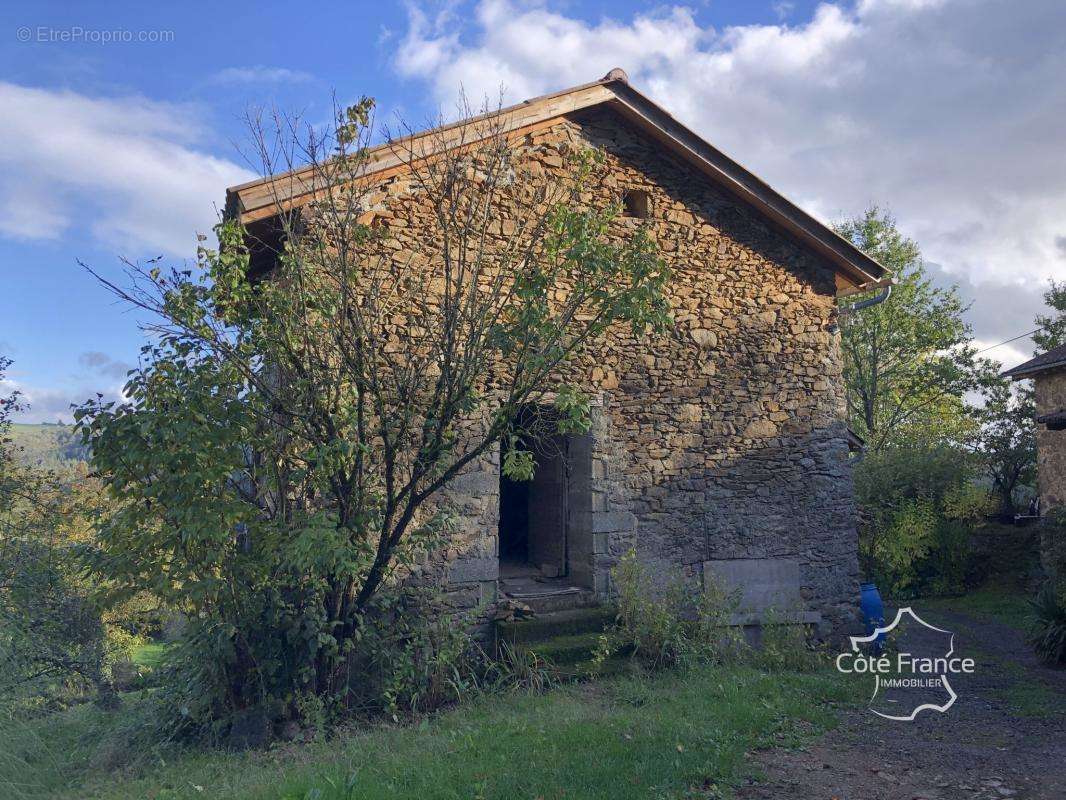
<point>56,642</point>
<point>667,624</point>
<point>939,465</point>
<point>1048,634</point>
<point>672,733</point>
<point>278,462</point>
<point>1049,628</point>
<point>920,508</point>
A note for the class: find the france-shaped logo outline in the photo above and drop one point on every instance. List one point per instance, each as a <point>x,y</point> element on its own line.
<point>952,696</point>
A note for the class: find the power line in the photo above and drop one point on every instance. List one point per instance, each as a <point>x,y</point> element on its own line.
<point>1008,341</point>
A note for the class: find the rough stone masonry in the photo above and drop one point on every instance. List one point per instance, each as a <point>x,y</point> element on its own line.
<point>719,445</point>
<point>718,451</point>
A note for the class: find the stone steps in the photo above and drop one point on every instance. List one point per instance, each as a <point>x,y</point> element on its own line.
<point>565,650</point>
<point>588,619</point>
<point>568,640</point>
<point>555,602</point>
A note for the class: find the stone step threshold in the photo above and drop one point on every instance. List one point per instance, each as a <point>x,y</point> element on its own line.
<point>532,594</point>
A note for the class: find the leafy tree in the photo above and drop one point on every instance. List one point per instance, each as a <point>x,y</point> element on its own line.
<point>1052,326</point>
<point>907,361</point>
<point>51,633</point>
<point>284,446</point>
<point>1005,440</point>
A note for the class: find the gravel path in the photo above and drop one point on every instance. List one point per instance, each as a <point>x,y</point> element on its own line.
<point>1005,736</point>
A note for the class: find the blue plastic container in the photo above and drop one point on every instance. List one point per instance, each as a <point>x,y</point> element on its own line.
<point>873,612</point>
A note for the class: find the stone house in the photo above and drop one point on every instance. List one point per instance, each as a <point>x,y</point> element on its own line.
<point>1048,373</point>
<point>720,450</point>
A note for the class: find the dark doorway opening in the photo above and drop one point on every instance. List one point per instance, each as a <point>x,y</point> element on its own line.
<point>514,520</point>
<point>533,513</point>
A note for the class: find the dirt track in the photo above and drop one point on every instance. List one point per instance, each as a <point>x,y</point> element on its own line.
<point>1004,737</point>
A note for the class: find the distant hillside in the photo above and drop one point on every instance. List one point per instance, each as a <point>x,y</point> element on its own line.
<point>49,445</point>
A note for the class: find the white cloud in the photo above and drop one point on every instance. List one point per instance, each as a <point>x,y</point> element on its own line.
<point>1009,355</point>
<point>126,169</point>
<point>50,404</point>
<point>952,113</point>
<point>260,74</point>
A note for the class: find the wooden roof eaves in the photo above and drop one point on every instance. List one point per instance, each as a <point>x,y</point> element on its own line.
<point>856,271</point>
<point>267,196</point>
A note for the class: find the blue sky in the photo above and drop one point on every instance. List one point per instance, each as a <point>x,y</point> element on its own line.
<point>124,148</point>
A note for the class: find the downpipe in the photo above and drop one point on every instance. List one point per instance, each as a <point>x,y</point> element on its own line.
<point>870,302</point>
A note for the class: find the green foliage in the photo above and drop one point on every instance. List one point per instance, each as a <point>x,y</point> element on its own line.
<point>907,361</point>
<point>518,464</point>
<point>51,634</point>
<point>53,639</point>
<point>785,645</point>
<point>1005,442</point>
<point>421,664</point>
<point>1048,636</point>
<point>49,446</point>
<point>278,461</point>
<point>668,625</point>
<point>1052,326</point>
<point>919,507</point>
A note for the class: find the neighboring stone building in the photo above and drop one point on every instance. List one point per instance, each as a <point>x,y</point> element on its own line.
<point>1048,373</point>
<point>721,449</point>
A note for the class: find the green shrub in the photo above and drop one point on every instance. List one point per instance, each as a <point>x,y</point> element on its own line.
<point>1048,637</point>
<point>419,665</point>
<point>785,644</point>
<point>418,658</point>
<point>667,625</point>
<point>920,506</point>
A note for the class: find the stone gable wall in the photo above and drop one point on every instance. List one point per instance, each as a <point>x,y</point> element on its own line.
<point>722,440</point>
<point>1050,391</point>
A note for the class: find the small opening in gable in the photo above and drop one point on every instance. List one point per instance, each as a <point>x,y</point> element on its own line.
<point>636,203</point>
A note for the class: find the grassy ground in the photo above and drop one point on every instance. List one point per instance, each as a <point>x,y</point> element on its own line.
<point>636,736</point>
<point>148,655</point>
<point>1027,697</point>
<point>1009,605</point>
<point>1005,603</point>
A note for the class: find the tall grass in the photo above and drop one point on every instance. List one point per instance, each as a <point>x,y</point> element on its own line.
<point>629,737</point>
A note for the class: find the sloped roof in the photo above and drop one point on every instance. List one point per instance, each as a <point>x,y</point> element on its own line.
<point>1055,358</point>
<point>856,271</point>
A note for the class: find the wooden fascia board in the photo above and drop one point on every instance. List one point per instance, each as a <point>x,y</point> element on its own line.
<point>264,198</point>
